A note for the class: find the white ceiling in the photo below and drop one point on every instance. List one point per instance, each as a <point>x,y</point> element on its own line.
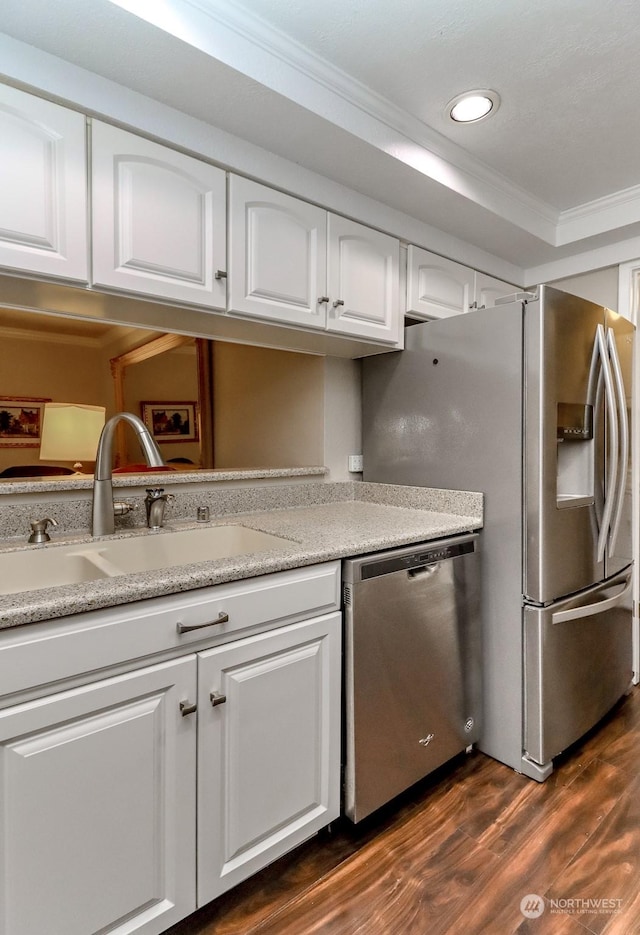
<point>355,90</point>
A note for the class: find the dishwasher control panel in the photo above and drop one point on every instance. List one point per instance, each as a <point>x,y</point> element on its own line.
<point>412,559</point>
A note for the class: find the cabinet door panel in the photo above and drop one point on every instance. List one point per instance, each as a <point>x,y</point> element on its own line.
<point>436,287</point>
<point>269,763</point>
<point>277,261</point>
<point>158,219</point>
<point>98,825</point>
<point>43,199</point>
<point>489,289</point>
<point>363,281</point>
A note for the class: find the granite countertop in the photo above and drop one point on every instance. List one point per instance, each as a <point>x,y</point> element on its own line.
<point>40,485</point>
<point>363,518</point>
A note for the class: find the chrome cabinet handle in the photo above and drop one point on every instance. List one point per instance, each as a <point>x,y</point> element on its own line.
<point>338,302</point>
<point>187,708</point>
<point>322,299</point>
<point>221,274</point>
<point>217,698</point>
<point>186,628</point>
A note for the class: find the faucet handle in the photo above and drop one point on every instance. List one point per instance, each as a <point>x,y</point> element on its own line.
<point>157,493</point>
<point>39,529</point>
<point>122,507</point>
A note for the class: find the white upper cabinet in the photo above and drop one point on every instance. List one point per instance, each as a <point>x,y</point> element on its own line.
<point>43,187</point>
<point>363,281</point>
<point>489,289</point>
<point>159,219</point>
<point>294,263</point>
<point>440,288</point>
<point>277,255</point>
<point>437,287</point>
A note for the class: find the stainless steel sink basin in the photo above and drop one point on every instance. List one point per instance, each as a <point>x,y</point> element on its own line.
<point>38,568</point>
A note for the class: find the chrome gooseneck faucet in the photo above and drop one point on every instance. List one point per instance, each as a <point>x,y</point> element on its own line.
<point>104,509</point>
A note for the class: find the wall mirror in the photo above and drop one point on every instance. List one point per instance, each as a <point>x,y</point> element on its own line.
<point>212,404</point>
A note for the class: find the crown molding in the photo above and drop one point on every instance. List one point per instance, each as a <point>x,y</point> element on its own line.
<point>431,153</point>
<point>249,45</point>
<point>611,212</point>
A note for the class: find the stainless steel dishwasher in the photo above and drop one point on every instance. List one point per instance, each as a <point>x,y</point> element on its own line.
<point>412,666</point>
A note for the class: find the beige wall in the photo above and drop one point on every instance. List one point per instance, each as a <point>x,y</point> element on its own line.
<point>343,417</point>
<point>170,377</point>
<point>63,372</point>
<point>268,407</point>
<point>600,286</point>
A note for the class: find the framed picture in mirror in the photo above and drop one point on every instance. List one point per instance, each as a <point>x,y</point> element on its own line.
<point>21,421</point>
<point>171,421</point>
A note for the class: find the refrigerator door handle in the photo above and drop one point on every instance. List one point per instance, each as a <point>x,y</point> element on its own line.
<point>595,389</point>
<point>623,422</point>
<point>589,610</point>
<point>612,468</point>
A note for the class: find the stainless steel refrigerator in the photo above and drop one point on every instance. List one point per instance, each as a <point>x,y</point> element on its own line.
<point>529,402</point>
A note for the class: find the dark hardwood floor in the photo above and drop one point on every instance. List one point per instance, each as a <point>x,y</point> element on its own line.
<point>460,852</point>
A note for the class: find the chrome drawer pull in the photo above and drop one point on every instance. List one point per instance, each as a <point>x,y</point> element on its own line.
<point>217,698</point>
<point>186,628</point>
<point>187,708</point>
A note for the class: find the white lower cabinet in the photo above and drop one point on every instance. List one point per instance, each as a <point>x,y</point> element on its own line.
<point>181,744</point>
<point>98,807</point>
<point>269,748</point>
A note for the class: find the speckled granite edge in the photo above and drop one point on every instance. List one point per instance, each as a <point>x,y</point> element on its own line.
<point>421,498</point>
<point>10,487</point>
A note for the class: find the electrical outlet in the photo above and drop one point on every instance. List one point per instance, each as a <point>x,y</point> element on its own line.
<point>355,464</point>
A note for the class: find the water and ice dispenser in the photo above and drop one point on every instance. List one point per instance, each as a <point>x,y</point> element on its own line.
<point>576,455</point>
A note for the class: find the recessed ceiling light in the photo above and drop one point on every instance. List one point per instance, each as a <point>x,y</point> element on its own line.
<point>472,106</point>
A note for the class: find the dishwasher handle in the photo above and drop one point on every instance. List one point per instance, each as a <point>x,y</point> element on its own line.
<point>428,569</point>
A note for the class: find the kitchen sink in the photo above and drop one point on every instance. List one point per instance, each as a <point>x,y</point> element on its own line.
<point>34,569</point>
<point>38,568</point>
<point>166,549</point>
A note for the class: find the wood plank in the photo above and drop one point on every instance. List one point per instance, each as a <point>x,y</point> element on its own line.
<point>458,852</point>
<point>608,868</point>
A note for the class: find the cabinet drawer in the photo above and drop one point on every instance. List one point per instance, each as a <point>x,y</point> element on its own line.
<point>43,653</point>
